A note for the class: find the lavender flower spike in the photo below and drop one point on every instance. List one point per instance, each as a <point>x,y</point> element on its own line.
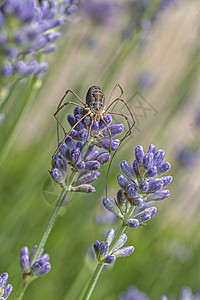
<point>39,268</point>
<point>140,185</point>
<point>107,257</point>
<point>85,150</point>
<point>5,290</point>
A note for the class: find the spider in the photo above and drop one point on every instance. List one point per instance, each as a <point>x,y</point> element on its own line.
<point>96,107</point>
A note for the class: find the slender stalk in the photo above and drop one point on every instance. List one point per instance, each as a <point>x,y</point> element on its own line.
<point>92,282</point>
<point>21,291</point>
<point>53,217</point>
<point>99,268</point>
<point>47,230</point>
<point>16,128</point>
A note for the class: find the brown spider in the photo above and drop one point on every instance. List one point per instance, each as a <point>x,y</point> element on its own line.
<point>96,108</point>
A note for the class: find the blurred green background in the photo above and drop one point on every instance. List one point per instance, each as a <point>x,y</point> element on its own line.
<point>158,67</point>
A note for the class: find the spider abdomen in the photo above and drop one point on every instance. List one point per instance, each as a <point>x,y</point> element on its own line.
<point>95,99</point>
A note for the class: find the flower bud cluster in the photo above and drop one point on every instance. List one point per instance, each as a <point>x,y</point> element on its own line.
<point>5,290</point>
<point>29,28</point>
<point>106,257</point>
<point>39,268</point>
<point>85,154</point>
<point>140,185</point>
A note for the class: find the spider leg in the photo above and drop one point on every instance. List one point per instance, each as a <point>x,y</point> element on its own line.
<point>130,112</point>
<point>56,116</point>
<point>109,132</point>
<point>127,121</point>
<point>89,129</point>
<point>68,133</point>
<point>117,85</point>
<point>60,105</point>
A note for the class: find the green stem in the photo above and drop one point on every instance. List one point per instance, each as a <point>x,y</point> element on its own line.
<point>16,128</point>
<point>21,291</point>
<point>92,282</point>
<point>53,217</point>
<point>99,268</point>
<point>48,229</point>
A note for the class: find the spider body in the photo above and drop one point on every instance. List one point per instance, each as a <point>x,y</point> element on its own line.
<point>95,101</point>
<point>95,108</point>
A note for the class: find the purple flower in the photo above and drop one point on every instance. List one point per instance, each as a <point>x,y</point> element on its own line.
<point>140,186</point>
<point>31,270</point>
<point>85,150</point>
<point>106,257</point>
<point>29,28</point>
<point>5,290</point>
<point>186,158</point>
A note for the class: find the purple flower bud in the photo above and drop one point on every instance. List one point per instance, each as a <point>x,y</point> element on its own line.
<point>51,37</point>
<point>155,184</point>
<point>76,156</point>
<point>139,202</point>
<point>166,180</point>
<point>159,157</point>
<point>110,259</point>
<point>139,154</point>
<point>60,164</point>
<point>65,151</point>
<point>146,215</point>
<point>110,236</point>
<point>103,249</point>
<point>4,279</point>
<point>7,290</point>
<point>164,298</point>
<point>77,110</point>
<point>90,154</point>
<point>108,119</point>
<point>96,248</point>
<point>83,133</point>
<point>43,67</point>
<point>131,190</point>
<point>144,186</point>
<point>103,158</point>
<point>84,188</point>
<point>87,177</point>
<point>71,120</point>
<point>148,160</point>
<point>133,223</point>
<point>24,69</point>
<point>151,172</point>
<point>127,170</point>
<point>49,48</point>
<point>106,144</point>
<point>159,195</point>
<point>135,168</point>
<point>81,166</point>
<point>163,168</point>
<point>152,149</point>
<point>24,260</point>
<point>120,243</point>
<point>70,142</point>
<point>92,165</point>
<point>111,206</point>
<point>122,181</point>
<point>126,251</point>
<point>7,70</point>
<point>120,197</point>
<point>39,268</point>
<point>58,176</point>
<point>114,129</point>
